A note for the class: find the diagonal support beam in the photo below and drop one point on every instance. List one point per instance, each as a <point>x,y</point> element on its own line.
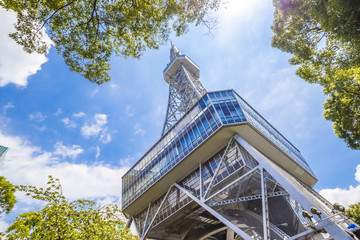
<point>146,219</point>
<point>240,179</point>
<point>215,214</point>
<point>157,211</point>
<point>218,168</point>
<point>300,194</point>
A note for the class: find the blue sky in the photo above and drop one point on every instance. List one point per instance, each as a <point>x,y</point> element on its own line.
<point>56,122</point>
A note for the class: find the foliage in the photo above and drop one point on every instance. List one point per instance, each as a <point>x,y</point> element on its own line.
<point>88,32</point>
<point>353,212</point>
<point>63,219</point>
<point>324,38</point>
<point>7,198</point>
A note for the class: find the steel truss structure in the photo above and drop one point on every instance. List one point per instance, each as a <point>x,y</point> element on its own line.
<point>240,194</point>
<point>185,89</point>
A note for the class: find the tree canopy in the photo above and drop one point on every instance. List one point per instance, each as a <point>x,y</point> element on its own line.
<point>61,219</point>
<point>324,38</point>
<point>353,212</point>
<point>7,198</point>
<point>88,32</point>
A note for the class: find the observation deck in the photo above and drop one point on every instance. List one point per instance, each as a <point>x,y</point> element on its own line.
<point>176,62</point>
<point>199,134</point>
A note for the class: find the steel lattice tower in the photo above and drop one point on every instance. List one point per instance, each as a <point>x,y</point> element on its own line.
<point>221,171</point>
<point>185,88</point>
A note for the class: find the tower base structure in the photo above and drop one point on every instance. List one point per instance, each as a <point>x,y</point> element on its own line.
<point>239,193</point>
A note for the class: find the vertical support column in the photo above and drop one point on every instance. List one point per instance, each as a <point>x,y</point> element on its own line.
<point>230,234</point>
<point>136,228</point>
<point>265,207</point>
<point>128,223</point>
<point>201,181</point>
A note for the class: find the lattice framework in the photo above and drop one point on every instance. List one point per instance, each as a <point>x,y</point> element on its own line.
<point>223,192</point>
<point>184,91</point>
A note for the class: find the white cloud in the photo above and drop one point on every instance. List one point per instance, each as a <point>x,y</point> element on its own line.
<point>69,123</point>
<point>3,225</point>
<point>139,130</point>
<point>357,173</point>
<point>8,106</point>
<point>128,161</point>
<point>113,85</point>
<point>15,64</point>
<point>344,196</point>
<point>105,136</point>
<point>30,165</point>
<point>38,116</point>
<point>129,111</point>
<point>284,98</point>
<point>93,93</point>
<point>42,128</point>
<point>94,127</point>
<point>66,120</point>
<point>97,152</point>
<point>79,114</point>
<point>97,126</point>
<point>67,151</point>
<point>281,95</point>
<point>58,112</point>
<point>235,13</point>
<point>108,201</point>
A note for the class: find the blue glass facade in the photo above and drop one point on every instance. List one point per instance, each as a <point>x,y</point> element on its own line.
<point>213,110</point>
<point>3,151</point>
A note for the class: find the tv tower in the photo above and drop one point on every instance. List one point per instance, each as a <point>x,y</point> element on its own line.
<point>221,171</point>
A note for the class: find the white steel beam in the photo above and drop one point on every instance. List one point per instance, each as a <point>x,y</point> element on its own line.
<point>157,211</point>
<point>218,168</point>
<point>215,214</point>
<point>265,209</point>
<point>300,194</point>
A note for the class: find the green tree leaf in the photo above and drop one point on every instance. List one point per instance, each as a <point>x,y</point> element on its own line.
<point>7,198</point>
<point>66,220</point>
<point>324,38</point>
<point>88,32</point>
<point>353,212</point>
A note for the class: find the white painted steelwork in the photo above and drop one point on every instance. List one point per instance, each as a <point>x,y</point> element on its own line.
<point>185,88</point>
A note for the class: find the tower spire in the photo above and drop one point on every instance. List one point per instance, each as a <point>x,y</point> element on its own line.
<point>174,52</point>
<point>185,88</point>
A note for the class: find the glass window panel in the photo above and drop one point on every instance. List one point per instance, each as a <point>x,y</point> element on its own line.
<point>220,112</point>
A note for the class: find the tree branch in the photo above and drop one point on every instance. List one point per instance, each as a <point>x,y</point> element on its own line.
<point>64,6</point>
<point>97,27</point>
<point>321,38</point>
<point>89,20</point>
<point>93,11</point>
<point>352,92</point>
